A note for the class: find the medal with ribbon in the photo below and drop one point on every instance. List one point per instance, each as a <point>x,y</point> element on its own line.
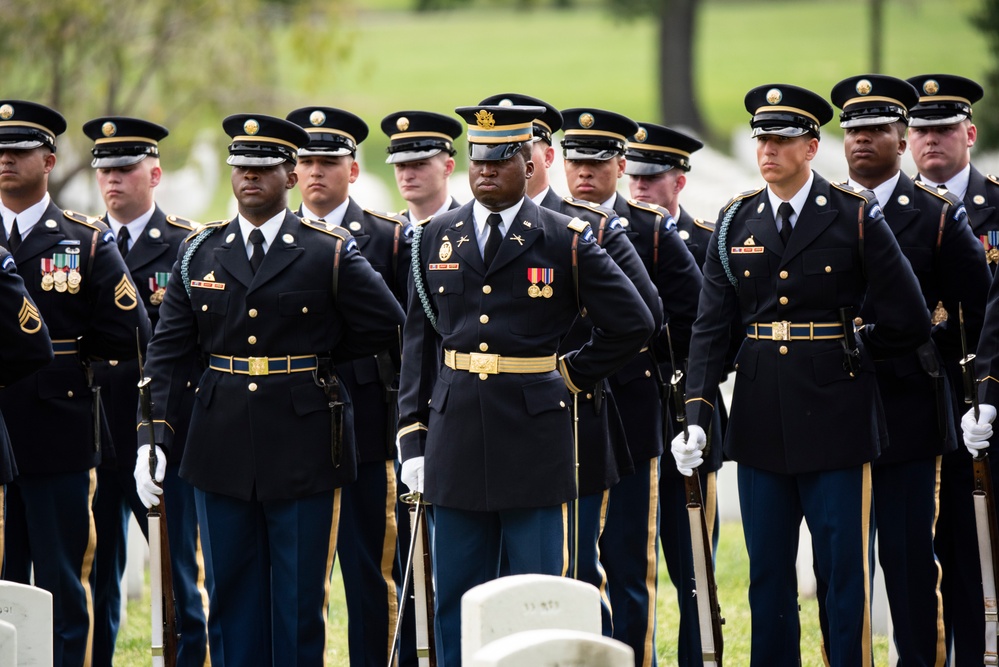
<point>157,285</point>
<point>48,280</point>
<point>74,279</point>
<point>534,277</point>
<point>61,261</point>
<point>992,249</point>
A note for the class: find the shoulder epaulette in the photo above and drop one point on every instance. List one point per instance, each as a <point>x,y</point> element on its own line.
<point>705,224</point>
<point>203,226</point>
<point>850,191</point>
<point>741,196</point>
<point>403,212</point>
<point>183,223</point>
<point>391,217</point>
<point>326,228</point>
<point>589,206</point>
<point>933,191</point>
<point>85,220</point>
<point>420,223</point>
<point>578,226</point>
<point>651,208</point>
<point>995,181</point>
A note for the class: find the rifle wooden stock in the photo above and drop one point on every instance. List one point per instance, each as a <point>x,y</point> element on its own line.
<point>709,617</point>
<point>988,549</point>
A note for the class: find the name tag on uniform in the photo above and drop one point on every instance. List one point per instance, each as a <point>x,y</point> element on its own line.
<point>747,250</point>
<point>451,266</point>
<point>207,285</point>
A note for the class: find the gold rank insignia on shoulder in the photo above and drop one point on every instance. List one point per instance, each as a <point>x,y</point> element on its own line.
<point>29,317</point>
<point>445,252</point>
<point>124,294</point>
<point>539,275</point>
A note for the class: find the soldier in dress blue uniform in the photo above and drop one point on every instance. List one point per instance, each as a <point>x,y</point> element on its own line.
<point>27,348</point>
<point>805,420</point>
<point>272,302</point>
<point>82,288</point>
<point>484,399</point>
<point>126,160</point>
<point>421,149</point>
<point>920,392</point>
<point>941,135</point>
<point>657,162</point>
<point>367,544</point>
<point>603,448</point>
<point>594,144</point>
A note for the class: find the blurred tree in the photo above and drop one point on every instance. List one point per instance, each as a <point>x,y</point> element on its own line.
<point>678,106</point>
<point>182,63</point>
<point>987,111</point>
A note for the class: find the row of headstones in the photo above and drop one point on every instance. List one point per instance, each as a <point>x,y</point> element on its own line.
<point>535,620</point>
<point>25,625</point>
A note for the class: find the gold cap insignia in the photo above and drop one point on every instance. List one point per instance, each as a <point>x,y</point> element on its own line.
<point>903,200</point>
<point>251,127</point>
<point>864,87</point>
<point>506,102</point>
<point>29,318</point>
<point>641,135</point>
<point>124,294</point>
<point>931,87</point>
<point>6,112</point>
<point>774,96</point>
<point>821,200</point>
<point>317,117</point>
<point>402,123</point>
<point>484,119</point>
<point>978,199</point>
<point>586,120</point>
<point>109,129</point>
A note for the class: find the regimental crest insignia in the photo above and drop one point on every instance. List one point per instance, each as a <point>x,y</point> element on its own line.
<point>124,294</point>
<point>485,119</point>
<point>317,118</point>
<point>864,87</point>
<point>445,252</point>
<point>641,135</point>
<point>586,120</point>
<point>6,112</point>
<point>251,127</point>
<point>774,96</point>
<point>109,129</point>
<point>29,318</point>
<point>402,123</point>
<point>931,87</point>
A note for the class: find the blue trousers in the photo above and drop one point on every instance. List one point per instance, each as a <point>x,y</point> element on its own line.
<point>586,550</point>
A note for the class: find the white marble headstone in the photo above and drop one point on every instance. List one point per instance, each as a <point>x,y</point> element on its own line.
<point>554,648</point>
<point>526,602</point>
<point>8,644</point>
<point>29,609</point>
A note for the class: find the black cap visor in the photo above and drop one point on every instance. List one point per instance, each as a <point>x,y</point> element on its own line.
<point>493,152</point>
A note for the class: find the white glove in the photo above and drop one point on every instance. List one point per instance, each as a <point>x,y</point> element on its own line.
<point>688,455</point>
<point>978,431</point>
<point>412,474</point>
<point>147,488</point>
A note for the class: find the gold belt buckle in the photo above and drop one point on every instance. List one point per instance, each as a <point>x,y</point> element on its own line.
<point>780,330</point>
<point>483,363</point>
<point>259,366</point>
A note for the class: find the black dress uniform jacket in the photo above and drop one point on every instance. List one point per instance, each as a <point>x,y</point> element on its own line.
<point>696,234</point>
<point>50,413</point>
<point>26,345</point>
<point>154,252</point>
<point>982,199</point>
<point>267,437</point>
<point>795,407</point>
<point>933,233</point>
<point>505,442</point>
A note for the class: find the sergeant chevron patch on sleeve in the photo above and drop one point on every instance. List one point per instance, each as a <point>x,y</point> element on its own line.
<point>29,317</point>
<point>124,294</point>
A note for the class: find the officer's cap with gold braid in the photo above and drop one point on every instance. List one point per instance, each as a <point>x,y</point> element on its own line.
<point>497,132</point>
<point>595,134</point>
<point>654,149</point>
<point>873,99</point>
<point>121,141</point>
<point>418,135</point>
<point>786,110</point>
<point>944,99</point>
<point>544,126</point>
<point>333,132</point>
<point>263,141</point>
<point>27,125</point>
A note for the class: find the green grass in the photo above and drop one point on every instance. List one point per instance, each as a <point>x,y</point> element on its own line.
<point>732,577</point>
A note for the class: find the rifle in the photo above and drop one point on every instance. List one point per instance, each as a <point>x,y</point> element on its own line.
<point>419,570</point>
<point>709,618</point>
<point>985,508</point>
<point>164,605</point>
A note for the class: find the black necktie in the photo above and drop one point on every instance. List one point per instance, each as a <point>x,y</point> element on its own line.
<point>123,237</point>
<point>257,239</point>
<point>15,237</point>
<point>785,210</point>
<point>495,238</point>
<point>942,187</point>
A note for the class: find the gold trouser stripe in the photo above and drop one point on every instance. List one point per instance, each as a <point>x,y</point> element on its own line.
<point>941,655</point>
<point>88,566</point>
<point>330,556</point>
<point>461,361</point>
<point>565,538</point>
<point>711,506</point>
<point>865,510</point>
<point>652,558</point>
<point>602,521</point>
<point>199,559</point>
<point>388,554</point>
